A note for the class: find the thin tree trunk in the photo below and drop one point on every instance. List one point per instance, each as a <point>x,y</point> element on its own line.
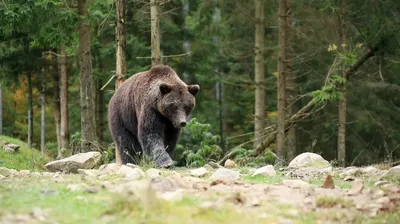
<point>155,32</point>
<point>291,93</point>
<point>64,127</point>
<point>120,70</point>
<point>30,110</point>
<point>43,111</point>
<point>259,73</point>
<point>100,103</point>
<point>280,128</point>
<point>1,111</point>
<point>87,86</point>
<point>342,103</point>
<point>56,103</point>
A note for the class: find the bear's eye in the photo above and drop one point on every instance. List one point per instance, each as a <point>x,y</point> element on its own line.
<point>172,106</point>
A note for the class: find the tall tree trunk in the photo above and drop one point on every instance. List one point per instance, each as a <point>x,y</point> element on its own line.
<point>1,111</point>
<point>100,104</point>
<point>43,104</point>
<point>259,73</point>
<point>120,70</point>
<point>280,128</point>
<point>342,103</point>
<point>291,92</point>
<point>87,87</point>
<point>155,32</point>
<point>64,127</point>
<point>30,110</point>
<point>56,102</point>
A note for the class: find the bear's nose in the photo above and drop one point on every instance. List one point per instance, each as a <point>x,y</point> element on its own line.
<point>183,124</point>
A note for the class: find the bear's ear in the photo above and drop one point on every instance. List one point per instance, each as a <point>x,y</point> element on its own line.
<point>165,88</point>
<point>193,89</point>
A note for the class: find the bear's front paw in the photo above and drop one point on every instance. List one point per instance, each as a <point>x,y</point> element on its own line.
<point>164,162</point>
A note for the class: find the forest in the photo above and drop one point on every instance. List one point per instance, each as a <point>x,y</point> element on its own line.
<point>277,78</point>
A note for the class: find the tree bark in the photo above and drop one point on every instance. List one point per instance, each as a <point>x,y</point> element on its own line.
<point>342,103</point>
<point>155,32</point>
<point>291,93</point>
<point>87,87</point>
<point>43,104</point>
<point>120,39</point>
<point>306,110</point>
<point>30,110</point>
<point>280,128</point>
<point>64,127</point>
<point>56,103</point>
<point>120,70</point>
<point>259,73</point>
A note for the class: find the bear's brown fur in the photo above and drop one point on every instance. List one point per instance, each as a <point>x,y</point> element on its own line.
<point>147,112</point>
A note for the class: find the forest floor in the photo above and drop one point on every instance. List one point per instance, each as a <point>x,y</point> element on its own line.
<point>183,195</point>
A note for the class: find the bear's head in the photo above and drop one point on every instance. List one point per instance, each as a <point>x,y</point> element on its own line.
<point>177,102</point>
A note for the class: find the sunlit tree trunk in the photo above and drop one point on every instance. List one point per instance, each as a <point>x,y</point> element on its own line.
<point>87,86</point>
<point>282,68</point>
<point>155,32</point>
<point>342,102</point>
<point>64,127</point>
<point>43,107</point>
<point>56,103</point>
<point>259,73</point>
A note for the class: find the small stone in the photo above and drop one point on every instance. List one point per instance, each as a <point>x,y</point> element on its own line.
<point>35,174</point>
<point>132,165</point>
<point>88,172</point>
<point>392,174</point>
<point>48,191</point>
<point>2,177</point>
<point>267,171</point>
<point>208,167</point>
<point>39,214</point>
<point>369,170</point>
<point>47,174</point>
<point>92,190</point>
<point>380,183</point>
<point>328,183</point>
<point>131,173</point>
<point>152,173</point>
<point>384,201</point>
<point>225,174</point>
<point>296,184</point>
<point>75,187</point>
<point>171,195</point>
<point>163,184</point>
<point>5,172</point>
<point>214,165</point>
<point>199,172</point>
<point>349,178</point>
<point>110,168</point>
<point>24,172</point>
<point>357,187</point>
<point>11,148</point>
<point>229,164</point>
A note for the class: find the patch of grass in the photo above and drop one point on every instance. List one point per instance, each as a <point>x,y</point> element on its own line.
<point>263,180</point>
<point>329,202</point>
<point>24,159</point>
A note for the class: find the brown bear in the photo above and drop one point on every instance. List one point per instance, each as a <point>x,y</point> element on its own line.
<point>147,112</point>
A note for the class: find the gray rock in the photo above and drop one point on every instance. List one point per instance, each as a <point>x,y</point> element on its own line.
<point>110,168</point>
<point>163,184</point>
<point>24,172</point>
<point>199,172</point>
<point>131,173</point>
<point>86,160</point>
<point>152,173</point>
<point>132,165</point>
<point>2,177</point>
<point>356,188</point>
<point>267,171</point>
<point>208,167</point>
<point>308,159</point>
<point>214,165</point>
<point>229,164</point>
<point>6,172</point>
<point>225,174</point>
<point>392,174</point>
<point>302,185</point>
<point>9,147</point>
<point>369,170</point>
<point>380,183</point>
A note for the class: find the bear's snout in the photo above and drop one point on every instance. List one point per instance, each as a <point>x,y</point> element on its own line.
<point>183,124</point>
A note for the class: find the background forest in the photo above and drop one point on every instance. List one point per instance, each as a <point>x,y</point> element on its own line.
<point>280,76</point>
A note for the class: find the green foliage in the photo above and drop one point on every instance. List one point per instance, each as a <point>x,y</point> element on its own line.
<point>198,145</point>
<point>243,158</point>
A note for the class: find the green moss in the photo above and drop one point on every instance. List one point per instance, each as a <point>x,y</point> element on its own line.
<point>24,159</point>
<point>329,202</point>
